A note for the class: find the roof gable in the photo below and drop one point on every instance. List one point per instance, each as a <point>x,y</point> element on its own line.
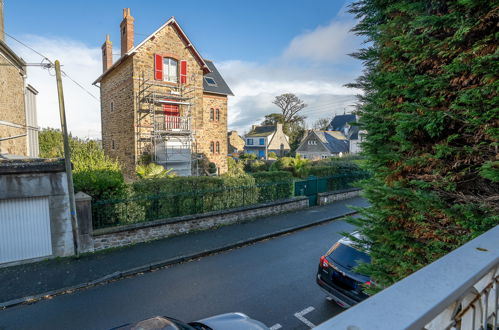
<point>182,35</point>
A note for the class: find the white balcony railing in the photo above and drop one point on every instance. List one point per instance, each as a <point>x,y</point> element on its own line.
<point>458,291</point>
<point>173,123</point>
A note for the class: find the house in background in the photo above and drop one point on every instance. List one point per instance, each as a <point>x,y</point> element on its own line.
<point>323,144</point>
<point>345,124</point>
<point>18,122</point>
<point>264,139</point>
<point>161,100</point>
<point>235,144</point>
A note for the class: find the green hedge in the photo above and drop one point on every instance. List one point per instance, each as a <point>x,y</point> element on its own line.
<point>172,197</point>
<point>274,185</point>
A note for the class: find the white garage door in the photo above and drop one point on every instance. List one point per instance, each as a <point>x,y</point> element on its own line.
<point>24,229</point>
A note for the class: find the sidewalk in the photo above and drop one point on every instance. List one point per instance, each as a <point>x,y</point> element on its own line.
<point>33,281</point>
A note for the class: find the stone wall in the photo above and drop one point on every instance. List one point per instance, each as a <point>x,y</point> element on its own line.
<point>214,130</point>
<point>331,197</point>
<point>12,107</point>
<point>141,232</point>
<point>41,178</point>
<point>117,116</point>
<point>234,142</point>
<point>130,126</point>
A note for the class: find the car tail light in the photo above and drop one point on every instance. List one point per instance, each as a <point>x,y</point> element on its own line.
<point>323,262</point>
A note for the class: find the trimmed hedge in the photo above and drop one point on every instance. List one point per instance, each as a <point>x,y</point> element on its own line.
<point>274,185</point>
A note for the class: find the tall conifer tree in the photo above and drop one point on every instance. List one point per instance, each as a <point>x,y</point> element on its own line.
<point>431,113</point>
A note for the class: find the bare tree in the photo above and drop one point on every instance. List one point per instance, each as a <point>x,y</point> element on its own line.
<point>290,105</point>
<point>321,124</point>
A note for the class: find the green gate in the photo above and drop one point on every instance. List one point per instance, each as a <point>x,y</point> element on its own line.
<point>308,187</point>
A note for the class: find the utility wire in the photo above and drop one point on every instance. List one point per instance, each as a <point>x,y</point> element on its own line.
<point>52,65</point>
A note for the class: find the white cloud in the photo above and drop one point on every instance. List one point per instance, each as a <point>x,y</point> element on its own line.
<point>331,43</point>
<point>81,63</point>
<point>314,66</point>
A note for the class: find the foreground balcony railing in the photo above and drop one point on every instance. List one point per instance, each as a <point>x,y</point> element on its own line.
<point>458,291</point>
<point>173,123</point>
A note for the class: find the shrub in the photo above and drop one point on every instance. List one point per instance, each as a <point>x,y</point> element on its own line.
<point>274,185</point>
<point>153,171</point>
<point>235,168</point>
<point>296,165</point>
<point>272,155</point>
<point>170,197</point>
<point>255,165</point>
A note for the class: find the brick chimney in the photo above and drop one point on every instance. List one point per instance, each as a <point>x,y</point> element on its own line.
<point>126,31</point>
<point>107,54</point>
<point>2,35</point>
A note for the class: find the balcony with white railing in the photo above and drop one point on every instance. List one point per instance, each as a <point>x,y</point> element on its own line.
<point>458,291</point>
<point>172,124</point>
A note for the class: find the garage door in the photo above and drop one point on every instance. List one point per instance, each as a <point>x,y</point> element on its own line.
<point>24,229</point>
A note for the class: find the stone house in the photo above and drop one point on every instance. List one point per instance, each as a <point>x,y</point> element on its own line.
<point>18,122</point>
<point>235,143</point>
<point>323,144</point>
<point>264,139</point>
<point>162,101</point>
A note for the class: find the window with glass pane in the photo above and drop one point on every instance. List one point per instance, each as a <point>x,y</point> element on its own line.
<point>170,69</point>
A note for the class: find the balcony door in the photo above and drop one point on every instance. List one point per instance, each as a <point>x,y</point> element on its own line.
<point>172,116</point>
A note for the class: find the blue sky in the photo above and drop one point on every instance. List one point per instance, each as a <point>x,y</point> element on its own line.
<point>262,48</point>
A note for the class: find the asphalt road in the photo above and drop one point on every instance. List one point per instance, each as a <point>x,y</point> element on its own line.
<point>272,281</point>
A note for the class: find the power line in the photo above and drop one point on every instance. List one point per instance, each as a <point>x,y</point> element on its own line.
<point>51,65</point>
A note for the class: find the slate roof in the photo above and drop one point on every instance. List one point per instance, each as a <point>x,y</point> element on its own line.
<point>340,121</point>
<point>261,131</point>
<point>335,141</point>
<point>353,133</point>
<point>221,86</point>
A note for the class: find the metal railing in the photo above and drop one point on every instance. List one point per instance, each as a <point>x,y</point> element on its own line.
<point>172,123</point>
<point>458,291</point>
<point>116,212</point>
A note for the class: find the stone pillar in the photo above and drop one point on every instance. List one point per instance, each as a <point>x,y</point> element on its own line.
<point>84,217</point>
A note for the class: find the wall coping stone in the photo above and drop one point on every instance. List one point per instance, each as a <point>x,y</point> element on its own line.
<point>337,192</point>
<point>146,224</point>
<point>31,165</point>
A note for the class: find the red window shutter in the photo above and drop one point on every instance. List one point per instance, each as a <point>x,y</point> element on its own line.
<point>158,67</point>
<point>183,72</point>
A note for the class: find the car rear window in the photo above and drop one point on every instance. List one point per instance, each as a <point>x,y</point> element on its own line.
<point>347,256</point>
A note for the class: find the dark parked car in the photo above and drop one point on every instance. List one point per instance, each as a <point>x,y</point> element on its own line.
<point>337,277</point>
<point>229,321</point>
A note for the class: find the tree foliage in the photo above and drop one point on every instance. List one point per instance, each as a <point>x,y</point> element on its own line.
<point>93,172</point>
<point>321,124</point>
<point>293,123</point>
<point>430,107</point>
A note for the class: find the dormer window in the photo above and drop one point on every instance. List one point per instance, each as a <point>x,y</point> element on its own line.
<point>170,70</point>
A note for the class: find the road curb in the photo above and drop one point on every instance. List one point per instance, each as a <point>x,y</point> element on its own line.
<point>166,262</point>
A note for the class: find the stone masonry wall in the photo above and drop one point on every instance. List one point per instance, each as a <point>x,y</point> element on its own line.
<point>126,235</point>
<point>331,197</point>
<point>12,108</point>
<point>130,127</point>
<point>118,123</point>
<point>168,43</point>
<point>214,130</point>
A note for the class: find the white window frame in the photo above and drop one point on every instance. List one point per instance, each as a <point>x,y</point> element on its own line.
<point>249,142</point>
<point>170,74</point>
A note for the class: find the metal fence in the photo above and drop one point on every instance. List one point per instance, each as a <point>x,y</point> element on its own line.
<point>108,213</point>
<point>139,208</point>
